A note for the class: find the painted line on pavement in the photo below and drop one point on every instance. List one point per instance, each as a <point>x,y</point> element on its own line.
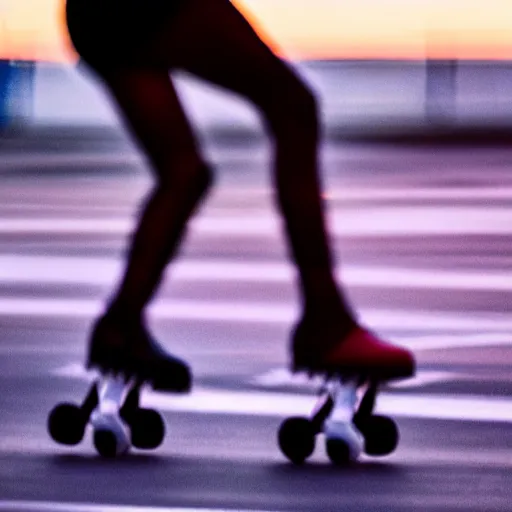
<point>372,221</point>
<point>418,193</point>
<point>103,271</point>
<point>395,193</point>
<point>282,377</point>
<point>445,407</point>
<point>337,193</point>
<point>265,313</point>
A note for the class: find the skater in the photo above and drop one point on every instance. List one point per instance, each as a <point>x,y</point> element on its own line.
<point>132,45</point>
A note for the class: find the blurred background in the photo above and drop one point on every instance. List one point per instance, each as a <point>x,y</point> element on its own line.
<point>416,99</point>
<point>375,64</point>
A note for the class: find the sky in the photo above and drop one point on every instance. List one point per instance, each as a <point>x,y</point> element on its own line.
<point>310,29</point>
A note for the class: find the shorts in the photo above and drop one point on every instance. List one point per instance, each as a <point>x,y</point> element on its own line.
<point>108,33</point>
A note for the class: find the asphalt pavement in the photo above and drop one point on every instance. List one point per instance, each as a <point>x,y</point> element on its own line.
<point>423,238</point>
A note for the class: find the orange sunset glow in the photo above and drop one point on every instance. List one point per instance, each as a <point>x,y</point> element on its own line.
<point>310,29</point>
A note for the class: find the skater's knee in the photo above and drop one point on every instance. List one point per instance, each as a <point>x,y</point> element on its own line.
<point>305,102</point>
<point>193,178</point>
<point>295,114</point>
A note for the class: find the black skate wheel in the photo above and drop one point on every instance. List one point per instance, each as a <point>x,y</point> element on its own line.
<point>105,443</point>
<point>296,439</point>
<point>380,434</point>
<point>66,424</point>
<point>338,451</point>
<point>147,429</point>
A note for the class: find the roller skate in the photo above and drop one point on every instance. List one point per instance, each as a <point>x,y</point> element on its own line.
<point>125,346</point>
<point>353,372</point>
<point>127,359</point>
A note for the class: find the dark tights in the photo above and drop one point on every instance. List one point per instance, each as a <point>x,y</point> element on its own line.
<point>212,40</point>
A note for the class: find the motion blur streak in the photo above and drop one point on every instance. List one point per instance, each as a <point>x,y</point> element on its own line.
<point>415,100</point>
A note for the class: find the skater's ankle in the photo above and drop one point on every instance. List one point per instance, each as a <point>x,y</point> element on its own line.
<point>322,330</point>
<point>329,309</point>
<point>123,313</point>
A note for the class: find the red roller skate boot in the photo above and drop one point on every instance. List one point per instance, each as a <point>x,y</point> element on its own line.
<point>359,352</point>
<point>354,363</point>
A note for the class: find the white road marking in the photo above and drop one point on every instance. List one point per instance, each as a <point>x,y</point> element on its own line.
<point>265,313</point>
<point>281,377</point>
<point>372,221</point>
<point>403,194</point>
<point>467,340</point>
<point>54,506</point>
<point>461,408</point>
<point>110,226</point>
<point>399,193</point>
<point>75,159</point>
<point>103,271</point>
<point>230,191</point>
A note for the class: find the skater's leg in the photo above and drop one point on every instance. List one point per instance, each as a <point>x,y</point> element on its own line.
<point>221,47</point>
<point>148,103</point>
<point>213,41</point>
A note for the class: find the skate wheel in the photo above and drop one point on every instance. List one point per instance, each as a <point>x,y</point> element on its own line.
<point>105,442</point>
<point>338,451</point>
<point>147,429</point>
<point>110,443</point>
<point>111,436</point>
<point>66,424</point>
<point>381,435</point>
<point>296,439</point>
